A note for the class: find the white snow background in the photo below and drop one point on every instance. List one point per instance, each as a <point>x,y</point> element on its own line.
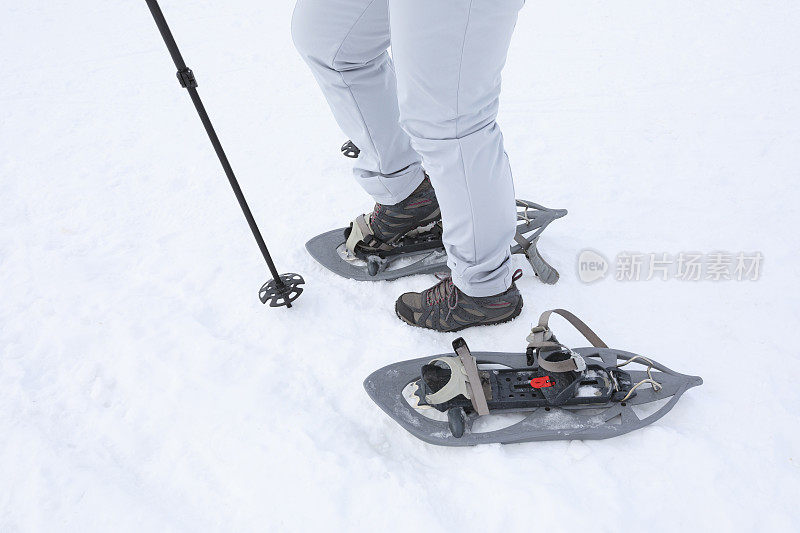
<point>143,386</point>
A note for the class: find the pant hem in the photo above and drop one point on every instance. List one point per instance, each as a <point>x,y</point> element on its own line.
<point>412,181</point>
<point>481,290</point>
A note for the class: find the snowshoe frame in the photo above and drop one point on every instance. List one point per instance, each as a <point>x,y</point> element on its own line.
<point>585,421</point>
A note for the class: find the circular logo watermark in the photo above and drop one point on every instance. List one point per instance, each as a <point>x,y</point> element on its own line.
<point>592,266</point>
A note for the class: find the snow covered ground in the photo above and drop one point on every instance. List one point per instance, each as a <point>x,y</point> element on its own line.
<point>144,387</point>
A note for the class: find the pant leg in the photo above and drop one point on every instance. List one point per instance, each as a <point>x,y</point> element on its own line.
<point>449,55</point>
<point>345,43</point>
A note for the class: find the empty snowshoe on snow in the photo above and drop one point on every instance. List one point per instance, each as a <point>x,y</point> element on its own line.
<point>555,393</point>
<point>421,251</point>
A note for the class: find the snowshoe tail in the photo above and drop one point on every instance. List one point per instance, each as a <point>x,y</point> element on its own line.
<point>349,149</point>
<point>532,220</point>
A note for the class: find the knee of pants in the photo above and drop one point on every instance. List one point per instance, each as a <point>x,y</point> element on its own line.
<point>308,31</point>
<point>431,121</point>
<point>324,41</point>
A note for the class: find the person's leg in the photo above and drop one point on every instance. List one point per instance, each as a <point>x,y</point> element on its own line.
<point>449,55</point>
<point>345,42</point>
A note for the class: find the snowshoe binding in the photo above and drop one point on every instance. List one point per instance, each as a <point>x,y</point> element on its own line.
<point>358,253</point>
<point>411,226</point>
<point>552,392</point>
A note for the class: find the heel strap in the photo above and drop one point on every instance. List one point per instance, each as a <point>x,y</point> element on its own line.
<point>542,337</point>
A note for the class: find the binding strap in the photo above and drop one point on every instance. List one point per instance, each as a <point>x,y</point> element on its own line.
<point>361,233</point>
<point>478,397</point>
<point>542,337</point>
<point>464,380</point>
<point>457,384</point>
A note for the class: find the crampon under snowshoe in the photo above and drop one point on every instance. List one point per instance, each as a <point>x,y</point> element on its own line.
<point>554,392</point>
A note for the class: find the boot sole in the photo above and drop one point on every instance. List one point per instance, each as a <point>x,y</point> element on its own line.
<point>509,318</point>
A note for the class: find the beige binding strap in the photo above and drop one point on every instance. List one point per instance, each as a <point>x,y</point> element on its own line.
<point>457,384</point>
<point>477,396</point>
<point>541,336</point>
<point>361,233</point>
<point>360,230</point>
<point>573,364</point>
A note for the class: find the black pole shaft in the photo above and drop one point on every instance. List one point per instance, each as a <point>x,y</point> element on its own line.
<point>187,80</point>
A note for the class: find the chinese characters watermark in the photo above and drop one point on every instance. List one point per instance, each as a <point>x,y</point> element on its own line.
<point>683,266</point>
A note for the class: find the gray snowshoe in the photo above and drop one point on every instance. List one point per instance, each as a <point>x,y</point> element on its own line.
<point>421,251</point>
<point>555,393</point>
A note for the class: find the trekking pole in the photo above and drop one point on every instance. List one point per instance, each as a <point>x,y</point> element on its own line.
<point>282,289</point>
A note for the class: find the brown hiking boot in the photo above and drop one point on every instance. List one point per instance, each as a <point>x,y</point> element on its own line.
<point>444,307</point>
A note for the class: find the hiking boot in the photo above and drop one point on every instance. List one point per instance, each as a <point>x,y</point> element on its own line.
<point>387,224</point>
<point>390,222</point>
<point>444,307</point>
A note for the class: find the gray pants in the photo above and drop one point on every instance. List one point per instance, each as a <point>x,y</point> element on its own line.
<point>434,102</point>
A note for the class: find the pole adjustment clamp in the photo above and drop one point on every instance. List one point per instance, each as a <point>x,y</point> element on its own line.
<point>186,77</point>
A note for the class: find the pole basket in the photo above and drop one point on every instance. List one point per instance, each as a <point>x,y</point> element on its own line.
<point>283,291</point>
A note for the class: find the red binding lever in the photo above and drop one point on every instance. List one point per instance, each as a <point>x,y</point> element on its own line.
<point>542,382</point>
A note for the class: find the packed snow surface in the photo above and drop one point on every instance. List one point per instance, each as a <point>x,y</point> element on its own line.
<point>144,387</point>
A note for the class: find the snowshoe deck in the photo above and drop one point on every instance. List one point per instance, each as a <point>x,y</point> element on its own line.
<point>595,400</point>
<point>527,388</point>
<point>329,250</point>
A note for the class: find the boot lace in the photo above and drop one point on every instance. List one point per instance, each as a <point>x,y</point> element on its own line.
<point>375,212</point>
<point>444,291</point>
